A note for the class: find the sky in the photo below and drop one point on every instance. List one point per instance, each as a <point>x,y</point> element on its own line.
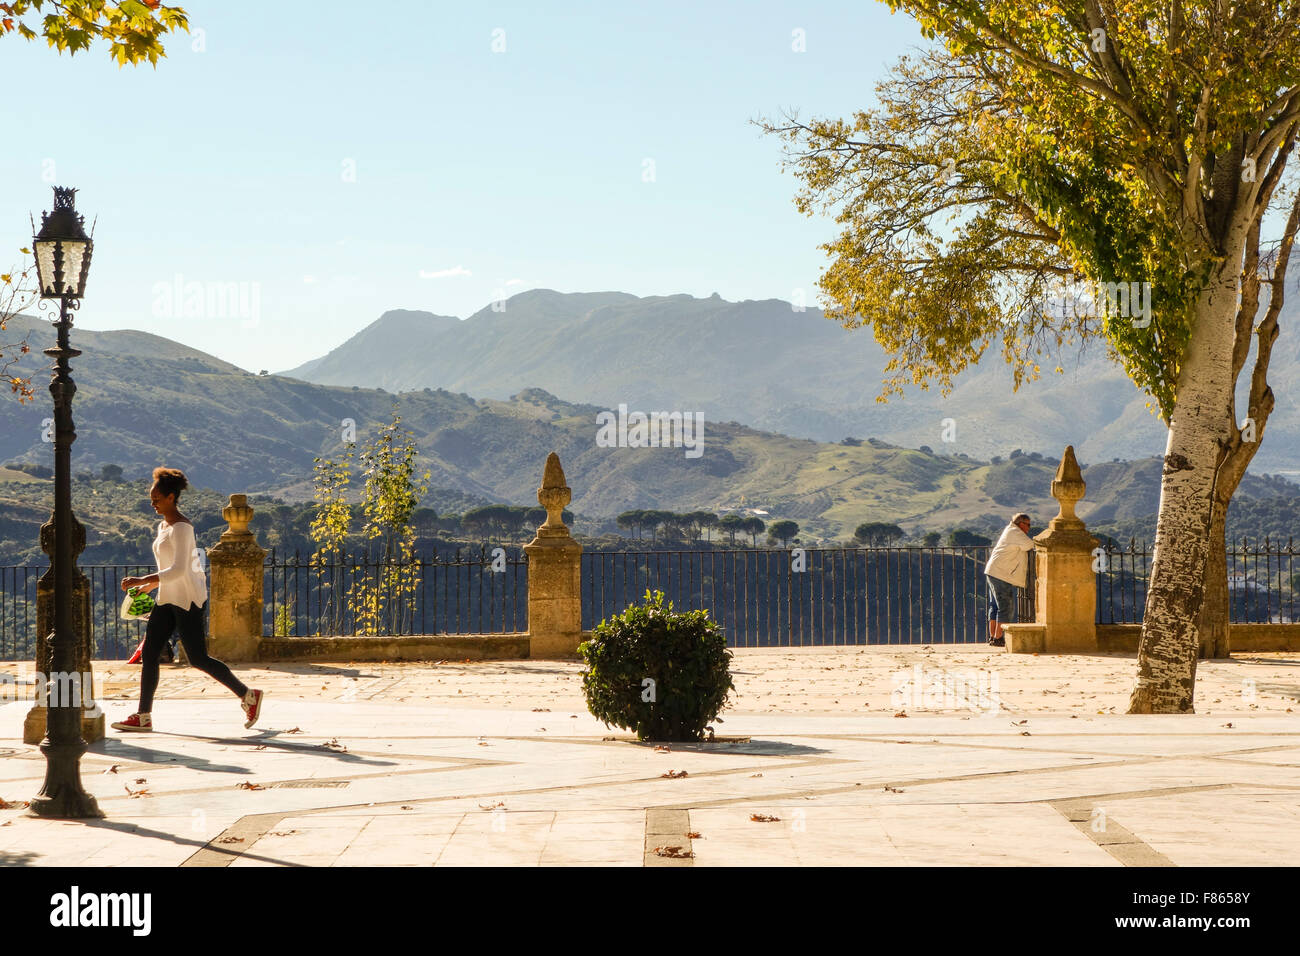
<point>292,170</point>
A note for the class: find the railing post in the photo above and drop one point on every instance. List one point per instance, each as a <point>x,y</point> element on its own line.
<point>1065,606</point>
<point>235,600</point>
<point>92,718</point>
<point>554,574</point>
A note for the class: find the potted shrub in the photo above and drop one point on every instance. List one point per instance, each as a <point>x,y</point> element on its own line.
<point>660,673</point>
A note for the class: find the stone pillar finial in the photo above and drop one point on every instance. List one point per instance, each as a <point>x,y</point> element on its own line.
<point>1068,488</point>
<point>554,496</point>
<point>238,514</point>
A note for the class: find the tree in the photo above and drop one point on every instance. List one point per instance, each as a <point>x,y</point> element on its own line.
<point>782,531</point>
<point>110,472</point>
<point>731,524</point>
<point>1138,148</point>
<point>384,604</point>
<point>932,539</point>
<point>961,538</point>
<point>330,527</point>
<point>753,526</point>
<point>629,520</point>
<point>133,28</point>
<point>877,533</point>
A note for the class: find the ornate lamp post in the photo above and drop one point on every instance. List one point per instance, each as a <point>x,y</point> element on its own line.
<point>62,251</point>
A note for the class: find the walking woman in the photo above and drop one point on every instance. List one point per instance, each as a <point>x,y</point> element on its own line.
<point>180,605</point>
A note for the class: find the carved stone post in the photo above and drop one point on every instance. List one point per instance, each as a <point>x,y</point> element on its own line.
<point>92,718</point>
<point>1066,600</point>
<point>235,599</point>
<point>554,574</point>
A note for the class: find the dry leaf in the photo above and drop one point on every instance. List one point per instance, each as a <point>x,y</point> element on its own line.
<point>662,749</point>
<point>889,789</point>
<point>231,839</point>
<point>541,710</point>
<point>407,806</point>
<point>763,818</point>
<point>141,780</point>
<point>608,738</point>
<point>756,775</point>
<point>294,730</point>
<point>112,769</point>
<point>260,747</point>
<point>14,805</point>
<point>281,832</point>
<point>247,785</point>
<point>694,835</point>
<point>900,714</point>
<point>334,745</point>
<point>674,774</point>
<point>674,852</point>
<point>493,806</point>
<point>1229,724</point>
<point>143,792</point>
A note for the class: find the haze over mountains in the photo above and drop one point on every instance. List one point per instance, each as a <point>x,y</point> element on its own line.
<point>764,365</point>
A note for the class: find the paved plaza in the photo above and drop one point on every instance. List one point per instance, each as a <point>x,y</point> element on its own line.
<point>1000,760</point>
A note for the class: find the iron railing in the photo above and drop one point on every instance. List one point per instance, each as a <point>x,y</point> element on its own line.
<point>114,638</point>
<point>470,591</point>
<point>807,596</point>
<point>1262,582</point>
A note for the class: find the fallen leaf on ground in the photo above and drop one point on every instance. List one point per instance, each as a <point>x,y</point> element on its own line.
<point>141,780</point>
<point>756,775</point>
<point>694,835</point>
<point>674,774</point>
<point>900,714</point>
<point>334,745</point>
<point>1025,733</point>
<point>662,749</point>
<point>541,710</point>
<point>248,785</point>
<point>608,738</point>
<point>112,769</point>
<point>294,730</point>
<point>674,852</point>
<point>143,792</point>
<point>14,804</point>
<point>281,832</point>
<point>763,818</point>
<point>889,789</point>
<point>492,806</point>
<point>260,747</point>
<point>1228,724</point>
<point>407,806</point>
<point>231,839</point>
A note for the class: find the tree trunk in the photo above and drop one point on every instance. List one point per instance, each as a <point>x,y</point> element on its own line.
<point>1212,624</point>
<point>1199,430</point>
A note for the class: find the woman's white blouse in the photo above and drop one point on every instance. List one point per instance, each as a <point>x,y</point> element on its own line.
<point>181,580</point>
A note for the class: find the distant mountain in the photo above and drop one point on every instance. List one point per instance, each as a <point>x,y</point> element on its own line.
<point>764,365</point>
<point>143,400</point>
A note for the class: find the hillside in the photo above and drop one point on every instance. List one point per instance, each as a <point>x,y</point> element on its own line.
<point>766,366</point>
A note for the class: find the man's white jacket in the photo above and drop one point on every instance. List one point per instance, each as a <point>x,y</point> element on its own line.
<point>1008,561</point>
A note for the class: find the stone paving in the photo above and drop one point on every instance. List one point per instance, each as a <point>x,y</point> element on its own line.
<point>498,763</point>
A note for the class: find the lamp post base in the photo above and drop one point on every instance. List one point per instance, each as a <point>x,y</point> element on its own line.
<point>62,797</point>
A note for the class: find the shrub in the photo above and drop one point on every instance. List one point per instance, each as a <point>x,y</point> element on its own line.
<point>660,673</point>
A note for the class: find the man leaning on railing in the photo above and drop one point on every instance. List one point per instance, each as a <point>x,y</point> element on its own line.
<point>1005,571</point>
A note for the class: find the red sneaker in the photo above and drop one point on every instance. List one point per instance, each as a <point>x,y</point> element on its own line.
<point>143,722</point>
<point>252,705</point>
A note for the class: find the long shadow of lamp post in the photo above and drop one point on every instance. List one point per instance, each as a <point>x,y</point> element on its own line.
<point>62,251</point>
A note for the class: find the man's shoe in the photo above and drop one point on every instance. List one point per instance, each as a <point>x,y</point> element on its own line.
<point>252,705</point>
<point>998,642</point>
<point>139,722</point>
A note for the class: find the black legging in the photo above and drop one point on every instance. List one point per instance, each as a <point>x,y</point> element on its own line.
<point>163,620</point>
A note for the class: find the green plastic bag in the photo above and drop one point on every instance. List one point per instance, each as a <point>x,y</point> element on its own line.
<point>136,605</point>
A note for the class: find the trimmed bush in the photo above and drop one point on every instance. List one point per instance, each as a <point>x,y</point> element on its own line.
<point>660,673</point>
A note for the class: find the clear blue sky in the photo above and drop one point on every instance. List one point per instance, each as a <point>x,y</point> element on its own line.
<point>524,168</point>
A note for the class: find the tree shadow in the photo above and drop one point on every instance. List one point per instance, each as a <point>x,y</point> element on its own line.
<point>751,748</point>
<point>289,667</point>
<point>18,858</point>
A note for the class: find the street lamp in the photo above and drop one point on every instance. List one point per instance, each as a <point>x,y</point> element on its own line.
<point>62,251</point>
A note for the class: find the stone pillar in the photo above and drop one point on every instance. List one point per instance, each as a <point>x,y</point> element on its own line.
<point>235,601</point>
<point>1066,599</point>
<point>92,718</point>
<point>554,574</point>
